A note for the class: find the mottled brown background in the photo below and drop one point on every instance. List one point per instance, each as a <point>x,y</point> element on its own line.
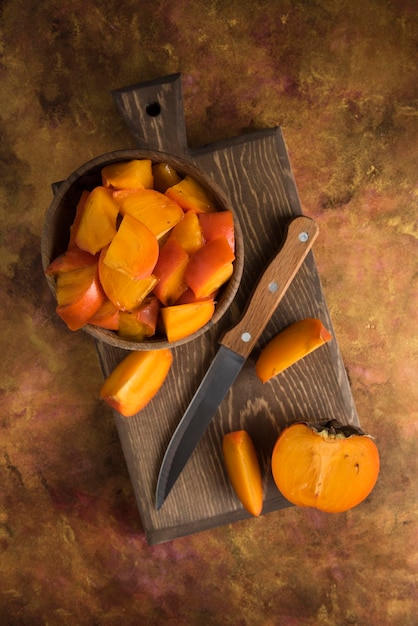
<point>340,77</point>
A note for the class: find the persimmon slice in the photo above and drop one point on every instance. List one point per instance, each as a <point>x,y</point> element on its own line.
<point>136,173</point>
<point>188,232</point>
<point>107,316</point>
<point>182,320</point>
<point>125,292</point>
<point>169,270</point>
<point>78,213</point>
<point>191,196</point>
<point>141,323</point>
<point>243,469</point>
<point>210,267</point>
<point>133,250</point>
<point>164,176</point>
<point>154,209</point>
<point>216,224</point>
<point>97,225</point>
<point>136,380</point>
<point>72,259</point>
<point>79,296</point>
<point>292,344</point>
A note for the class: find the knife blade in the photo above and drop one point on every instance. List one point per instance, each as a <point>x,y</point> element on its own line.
<point>235,346</point>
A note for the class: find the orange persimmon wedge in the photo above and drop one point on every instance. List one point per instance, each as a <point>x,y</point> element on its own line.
<point>136,380</point>
<point>72,259</point>
<point>152,208</point>
<point>216,224</point>
<point>169,270</point>
<point>107,316</point>
<point>79,295</point>
<point>164,176</point>
<point>289,346</point>
<point>182,320</point>
<point>125,292</point>
<point>243,469</point>
<point>188,232</point>
<point>191,196</point>
<point>141,323</point>
<point>210,267</point>
<point>133,250</point>
<point>134,174</point>
<point>97,224</point>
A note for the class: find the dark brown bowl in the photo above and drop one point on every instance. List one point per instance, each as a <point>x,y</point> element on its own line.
<point>60,216</point>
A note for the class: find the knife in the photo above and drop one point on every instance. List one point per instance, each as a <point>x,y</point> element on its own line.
<point>235,346</point>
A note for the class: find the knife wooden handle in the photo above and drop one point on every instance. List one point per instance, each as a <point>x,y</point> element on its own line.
<point>273,284</point>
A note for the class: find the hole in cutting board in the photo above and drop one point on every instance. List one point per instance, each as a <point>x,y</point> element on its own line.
<point>153,109</point>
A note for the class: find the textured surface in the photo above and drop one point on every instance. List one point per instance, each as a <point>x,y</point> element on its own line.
<point>340,77</point>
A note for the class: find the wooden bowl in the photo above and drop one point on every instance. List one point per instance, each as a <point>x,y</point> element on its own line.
<point>60,216</point>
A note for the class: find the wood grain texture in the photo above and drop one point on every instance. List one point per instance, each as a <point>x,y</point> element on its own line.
<point>254,171</point>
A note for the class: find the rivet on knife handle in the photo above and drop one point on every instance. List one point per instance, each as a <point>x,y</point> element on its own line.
<point>236,345</point>
<point>272,286</point>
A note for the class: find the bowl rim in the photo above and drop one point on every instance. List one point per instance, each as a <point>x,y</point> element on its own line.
<point>185,165</point>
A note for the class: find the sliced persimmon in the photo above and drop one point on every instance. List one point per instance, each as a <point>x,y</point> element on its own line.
<point>136,173</point>
<point>97,225</point>
<point>79,295</point>
<point>154,209</point>
<point>191,196</point>
<point>164,176</point>
<point>182,320</point>
<point>136,379</point>
<point>72,259</point>
<point>243,469</point>
<point>133,250</point>
<point>210,267</point>
<point>125,292</point>
<point>107,316</point>
<point>170,270</point>
<point>141,323</point>
<point>188,232</point>
<point>292,344</point>
<point>216,224</point>
<point>78,213</point>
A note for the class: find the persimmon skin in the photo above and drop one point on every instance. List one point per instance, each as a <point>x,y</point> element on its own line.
<point>210,267</point>
<point>107,316</point>
<point>141,323</point>
<point>169,271</point>
<point>243,469</point>
<point>136,380</point>
<point>327,471</point>
<point>79,295</point>
<point>289,346</point>
<point>216,224</point>
<point>72,259</point>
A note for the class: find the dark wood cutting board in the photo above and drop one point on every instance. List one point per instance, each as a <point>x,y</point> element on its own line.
<point>255,173</point>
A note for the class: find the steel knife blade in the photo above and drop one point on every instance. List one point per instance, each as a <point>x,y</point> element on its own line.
<point>235,347</point>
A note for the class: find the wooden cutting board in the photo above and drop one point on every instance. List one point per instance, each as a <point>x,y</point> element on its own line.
<point>255,173</point>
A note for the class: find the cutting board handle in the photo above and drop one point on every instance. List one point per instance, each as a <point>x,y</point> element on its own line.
<point>154,113</point>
